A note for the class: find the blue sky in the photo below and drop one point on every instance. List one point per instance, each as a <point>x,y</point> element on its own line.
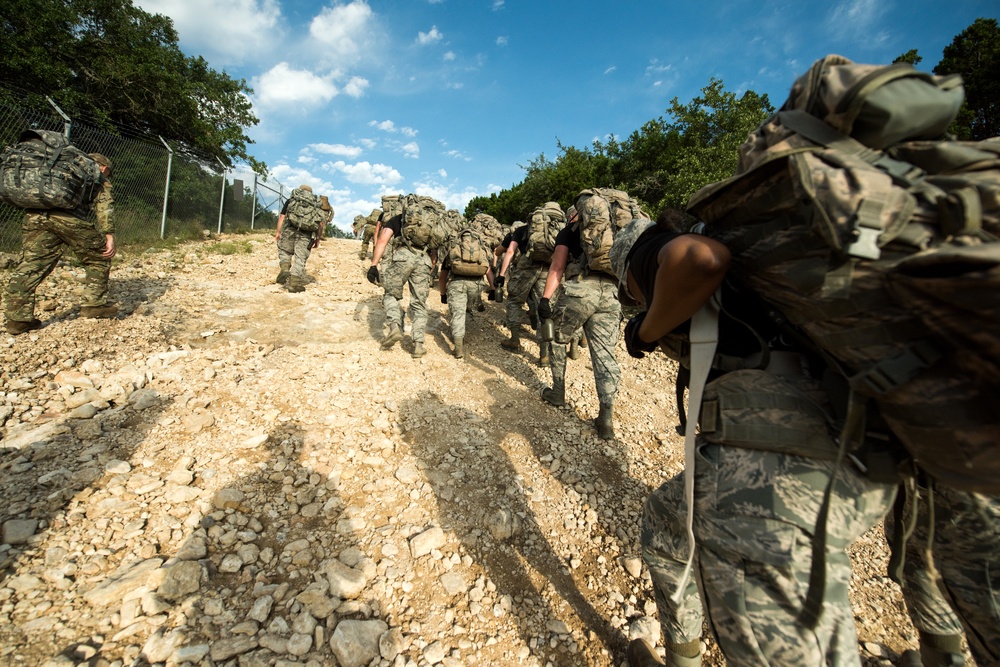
<point>448,97</point>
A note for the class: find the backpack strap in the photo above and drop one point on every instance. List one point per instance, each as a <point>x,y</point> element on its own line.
<point>704,338</point>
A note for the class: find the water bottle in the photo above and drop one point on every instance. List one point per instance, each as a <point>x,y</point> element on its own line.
<point>500,295</point>
<point>548,330</point>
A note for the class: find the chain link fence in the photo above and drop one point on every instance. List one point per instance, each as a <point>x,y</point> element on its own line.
<point>159,193</point>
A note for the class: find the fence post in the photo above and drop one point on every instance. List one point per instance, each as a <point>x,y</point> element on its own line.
<point>222,197</point>
<point>166,188</point>
<point>253,203</point>
<point>69,122</point>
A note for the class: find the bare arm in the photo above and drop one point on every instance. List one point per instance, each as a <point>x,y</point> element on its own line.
<point>381,241</point>
<point>557,267</point>
<point>690,268</point>
<point>277,230</point>
<point>508,257</point>
<point>110,250</point>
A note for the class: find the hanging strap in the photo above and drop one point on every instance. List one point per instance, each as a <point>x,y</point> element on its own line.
<point>704,338</point>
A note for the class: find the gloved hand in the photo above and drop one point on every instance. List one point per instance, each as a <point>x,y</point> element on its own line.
<point>444,297</point>
<point>636,346</point>
<point>544,309</point>
<point>499,281</point>
<point>491,295</point>
<point>373,275</point>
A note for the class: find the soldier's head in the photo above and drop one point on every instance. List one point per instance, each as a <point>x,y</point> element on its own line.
<point>324,203</point>
<point>104,162</point>
<point>307,188</point>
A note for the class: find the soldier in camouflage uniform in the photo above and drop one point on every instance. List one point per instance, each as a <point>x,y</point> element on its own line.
<point>327,219</point>
<point>587,300</point>
<point>460,293</point>
<point>402,265</point>
<point>368,231</point>
<point>763,458</point>
<point>45,235</point>
<point>294,248</point>
<point>965,544</point>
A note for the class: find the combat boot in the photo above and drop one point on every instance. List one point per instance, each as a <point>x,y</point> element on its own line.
<point>583,339</point>
<point>363,254</point>
<point>937,651</point>
<point>543,354</point>
<point>574,350</point>
<point>107,310</point>
<point>556,394</point>
<point>295,284</point>
<point>512,343</point>
<point>459,351</point>
<point>18,327</point>
<point>603,423</point>
<point>641,654</point>
<point>283,273</point>
<point>394,336</point>
<point>418,350</point>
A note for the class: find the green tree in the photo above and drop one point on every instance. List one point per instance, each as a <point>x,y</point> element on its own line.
<point>911,57</point>
<point>975,54</point>
<point>110,61</point>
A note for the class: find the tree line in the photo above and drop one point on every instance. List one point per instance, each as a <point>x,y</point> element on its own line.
<point>671,157</point>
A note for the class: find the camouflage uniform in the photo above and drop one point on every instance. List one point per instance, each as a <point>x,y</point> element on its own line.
<point>294,247</point>
<point>755,514</point>
<point>44,237</point>
<point>965,548</point>
<point>406,266</point>
<point>526,284</point>
<point>463,292</point>
<point>590,302</point>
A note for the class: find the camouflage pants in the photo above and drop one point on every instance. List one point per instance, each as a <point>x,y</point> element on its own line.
<point>410,267</point>
<point>462,293</point>
<point>44,237</point>
<point>294,247</point>
<point>367,236</point>
<point>966,553</point>
<point>526,285</point>
<point>754,518</point>
<point>589,302</point>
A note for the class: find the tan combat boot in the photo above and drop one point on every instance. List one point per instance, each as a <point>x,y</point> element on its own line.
<point>418,350</point>
<point>394,336</point>
<point>459,351</point>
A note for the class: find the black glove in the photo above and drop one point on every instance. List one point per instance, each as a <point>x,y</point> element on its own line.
<point>544,309</point>
<point>499,281</point>
<point>491,295</point>
<point>373,275</point>
<point>444,297</point>
<point>636,346</point>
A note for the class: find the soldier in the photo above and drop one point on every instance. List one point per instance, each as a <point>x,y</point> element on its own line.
<point>461,282</point>
<point>760,465</point>
<point>327,219</point>
<point>294,246</point>
<point>589,300</point>
<point>368,228</point>
<point>403,265</point>
<point>45,234</point>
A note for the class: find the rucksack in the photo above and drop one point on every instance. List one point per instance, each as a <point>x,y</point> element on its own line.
<point>546,222</point>
<point>43,170</point>
<point>392,205</point>
<point>421,216</point>
<point>468,253</point>
<point>603,211</point>
<point>883,257</point>
<point>489,227</point>
<point>451,223</point>
<point>305,210</point>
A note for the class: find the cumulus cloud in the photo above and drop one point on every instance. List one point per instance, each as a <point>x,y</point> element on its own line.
<point>449,56</point>
<point>389,126</point>
<point>281,86</point>
<point>292,177</point>
<point>444,194</point>
<point>335,149</point>
<point>410,149</point>
<point>502,40</point>
<point>343,31</point>
<point>225,32</point>
<point>366,173</point>
<point>356,86</point>
<point>430,37</point>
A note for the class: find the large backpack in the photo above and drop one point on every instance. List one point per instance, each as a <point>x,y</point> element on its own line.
<point>392,205</point>
<point>603,211</point>
<point>875,238</point>
<point>468,253</point>
<point>421,218</point>
<point>43,170</point>
<point>489,227</point>
<point>546,221</point>
<point>305,210</point>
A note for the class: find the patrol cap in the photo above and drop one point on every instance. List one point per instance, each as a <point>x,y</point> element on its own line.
<point>307,188</point>
<point>102,160</point>
<point>622,246</point>
<point>570,214</point>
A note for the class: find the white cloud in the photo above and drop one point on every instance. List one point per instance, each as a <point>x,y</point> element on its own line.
<point>282,86</point>
<point>389,126</point>
<point>444,194</point>
<point>292,177</point>
<point>368,143</point>
<point>410,149</point>
<point>854,17</point>
<point>225,32</point>
<point>450,55</point>
<point>502,40</point>
<point>366,173</point>
<point>356,86</point>
<point>344,31</point>
<point>442,173</point>
<point>610,69</point>
<point>497,5</point>
<point>408,131</point>
<point>335,149</point>
<point>430,37</point>
<point>458,155</point>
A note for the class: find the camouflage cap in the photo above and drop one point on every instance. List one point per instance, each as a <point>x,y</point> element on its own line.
<point>102,160</point>
<point>324,203</point>
<point>307,188</point>
<point>622,246</point>
<point>570,214</point>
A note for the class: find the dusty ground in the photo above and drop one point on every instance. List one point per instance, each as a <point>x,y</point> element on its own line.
<point>314,480</point>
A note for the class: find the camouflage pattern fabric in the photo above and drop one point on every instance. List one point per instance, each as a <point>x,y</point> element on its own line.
<point>44,237</point>
<point>754,517</point>
<point>590,302</point>
<point>294,246</point>
<point>406,266</point>
<point>463,293</point>
<point>526,285</point>
<point>966,553</point>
